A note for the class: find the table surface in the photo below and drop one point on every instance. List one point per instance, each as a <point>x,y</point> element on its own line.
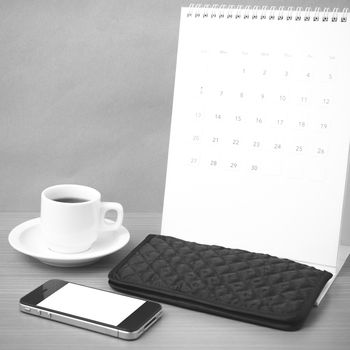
<point>327,327</point>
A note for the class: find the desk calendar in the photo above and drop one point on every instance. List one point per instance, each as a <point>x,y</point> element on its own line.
<point>260,131</point>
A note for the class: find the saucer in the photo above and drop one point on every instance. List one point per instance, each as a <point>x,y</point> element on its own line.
<point>27,238</point>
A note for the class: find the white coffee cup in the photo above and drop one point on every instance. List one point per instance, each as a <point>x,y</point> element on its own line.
<point>72,217</point>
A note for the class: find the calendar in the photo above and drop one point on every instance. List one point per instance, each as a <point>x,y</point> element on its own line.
<point>260,131</point>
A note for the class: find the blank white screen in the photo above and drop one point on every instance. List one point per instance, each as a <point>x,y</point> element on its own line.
<point>92,303</point>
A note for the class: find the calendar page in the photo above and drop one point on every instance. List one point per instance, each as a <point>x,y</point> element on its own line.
<point>260,131</point>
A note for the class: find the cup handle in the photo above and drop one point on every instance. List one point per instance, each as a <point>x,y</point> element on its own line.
<point>107,206</point>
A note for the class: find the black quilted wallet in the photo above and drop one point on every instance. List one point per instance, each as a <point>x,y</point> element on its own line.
<point>233,283</point>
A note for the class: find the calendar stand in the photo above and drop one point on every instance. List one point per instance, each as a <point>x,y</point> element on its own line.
<point>259,136</point>
<point>343,254</point>
<point>344,246</point>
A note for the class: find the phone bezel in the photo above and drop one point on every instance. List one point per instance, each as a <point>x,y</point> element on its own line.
<point>133,323</point>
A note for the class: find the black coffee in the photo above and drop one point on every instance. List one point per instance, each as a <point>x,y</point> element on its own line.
<point>71,200</point>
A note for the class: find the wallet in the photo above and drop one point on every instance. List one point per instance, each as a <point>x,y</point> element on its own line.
<point>238,284</point>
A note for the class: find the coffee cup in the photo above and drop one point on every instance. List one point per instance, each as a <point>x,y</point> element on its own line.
<point>72,217</point>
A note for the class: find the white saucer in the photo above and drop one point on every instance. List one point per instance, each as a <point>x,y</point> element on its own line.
<point>27,239</point>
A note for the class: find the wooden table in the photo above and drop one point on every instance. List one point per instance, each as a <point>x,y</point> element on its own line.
<point>328,327</point>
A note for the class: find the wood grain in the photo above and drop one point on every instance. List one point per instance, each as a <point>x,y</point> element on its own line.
<point>328,326</point>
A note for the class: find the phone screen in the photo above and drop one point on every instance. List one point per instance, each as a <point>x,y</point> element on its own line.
<point>92,304</point>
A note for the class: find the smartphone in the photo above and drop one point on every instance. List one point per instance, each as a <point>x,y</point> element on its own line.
<point>94,309</point>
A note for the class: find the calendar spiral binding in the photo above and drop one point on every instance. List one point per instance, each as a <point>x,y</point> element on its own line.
<point>268,13</point>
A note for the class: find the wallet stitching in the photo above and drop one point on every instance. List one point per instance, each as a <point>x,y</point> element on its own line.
<point>300,313</point>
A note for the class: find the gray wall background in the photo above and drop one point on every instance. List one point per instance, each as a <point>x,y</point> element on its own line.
<point>86,95</point>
